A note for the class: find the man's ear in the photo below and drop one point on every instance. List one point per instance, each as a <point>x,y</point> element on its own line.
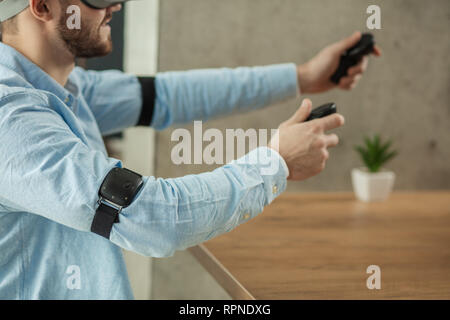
<point>44,10</point>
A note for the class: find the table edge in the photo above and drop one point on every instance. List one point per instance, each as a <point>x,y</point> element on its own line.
<point>221,274</point>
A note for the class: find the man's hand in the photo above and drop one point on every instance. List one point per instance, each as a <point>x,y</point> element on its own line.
<point>303,145</point>
<point>314,76</point>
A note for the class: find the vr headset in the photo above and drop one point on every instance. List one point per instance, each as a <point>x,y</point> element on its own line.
<point>10,8</point>
<point>101,4</point>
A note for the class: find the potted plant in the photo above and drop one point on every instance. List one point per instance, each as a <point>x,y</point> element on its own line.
<point>373,182</point>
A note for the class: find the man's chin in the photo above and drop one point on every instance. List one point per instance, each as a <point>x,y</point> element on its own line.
<point>97,52</point>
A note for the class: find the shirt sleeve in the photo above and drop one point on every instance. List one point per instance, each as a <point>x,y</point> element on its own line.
<point>115,98</point>
<point>49,171</point>
<point>184,96</point>
<point>119,101</point>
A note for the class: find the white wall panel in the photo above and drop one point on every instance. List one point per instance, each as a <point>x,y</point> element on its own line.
<point>140,58</point>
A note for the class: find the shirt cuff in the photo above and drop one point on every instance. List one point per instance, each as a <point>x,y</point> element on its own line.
<point>273,171</point>
<point>283,81</point>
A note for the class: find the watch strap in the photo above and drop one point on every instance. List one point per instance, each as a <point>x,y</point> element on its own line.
<point>104,219</point>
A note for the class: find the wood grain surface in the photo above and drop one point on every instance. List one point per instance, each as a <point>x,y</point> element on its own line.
<point>318,246</point>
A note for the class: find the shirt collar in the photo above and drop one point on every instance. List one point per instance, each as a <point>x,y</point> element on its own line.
<point>35,76</point>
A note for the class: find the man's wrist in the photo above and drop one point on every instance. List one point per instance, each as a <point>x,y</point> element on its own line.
<point>302,75</point>
<point>281,160</point>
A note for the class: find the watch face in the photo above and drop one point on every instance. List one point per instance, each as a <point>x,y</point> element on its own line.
<point>121,186</point>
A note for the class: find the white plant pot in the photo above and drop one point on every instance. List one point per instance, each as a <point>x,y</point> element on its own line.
<point>370,187</point>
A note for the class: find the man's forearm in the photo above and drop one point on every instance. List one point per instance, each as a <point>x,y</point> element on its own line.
<point>203,94</point>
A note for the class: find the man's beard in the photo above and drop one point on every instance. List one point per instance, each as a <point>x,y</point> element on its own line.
<point>84,42</point>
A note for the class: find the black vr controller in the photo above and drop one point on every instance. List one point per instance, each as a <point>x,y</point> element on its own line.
<point>353,56</point>
<point>322,111</point>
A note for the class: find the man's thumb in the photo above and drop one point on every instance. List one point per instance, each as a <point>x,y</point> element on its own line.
<point>348,42</point>
<point>302,113</point>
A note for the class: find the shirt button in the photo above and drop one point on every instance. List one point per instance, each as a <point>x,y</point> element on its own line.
<point>66,99</point>
<point>246,216</point>
<point>275,189</point>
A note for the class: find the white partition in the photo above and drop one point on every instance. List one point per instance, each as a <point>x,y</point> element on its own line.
<point>140,58</point>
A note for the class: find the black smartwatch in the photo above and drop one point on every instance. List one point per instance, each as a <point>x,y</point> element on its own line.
<point>117,191</point>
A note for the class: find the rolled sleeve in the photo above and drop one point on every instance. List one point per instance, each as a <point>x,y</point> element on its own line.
<point>184,96</point>
<point>283,82</point>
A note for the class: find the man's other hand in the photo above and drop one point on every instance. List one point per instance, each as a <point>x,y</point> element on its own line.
<point>303,145</point>
<point>314,76</point>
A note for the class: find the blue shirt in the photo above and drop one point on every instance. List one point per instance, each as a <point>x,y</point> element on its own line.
<point>53,160</point>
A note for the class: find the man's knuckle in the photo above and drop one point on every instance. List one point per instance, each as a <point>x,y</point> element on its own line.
<point>316,126</point>
<point>320,142</point>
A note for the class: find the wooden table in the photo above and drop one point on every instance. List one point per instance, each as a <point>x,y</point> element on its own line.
<point>318,246</point>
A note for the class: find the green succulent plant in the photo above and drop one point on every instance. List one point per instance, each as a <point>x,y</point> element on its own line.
<point>375,153</point>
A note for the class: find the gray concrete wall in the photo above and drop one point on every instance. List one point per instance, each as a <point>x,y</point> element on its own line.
<point>405,94</point>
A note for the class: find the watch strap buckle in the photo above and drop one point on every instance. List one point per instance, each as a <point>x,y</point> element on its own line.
<point>106,215</point>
